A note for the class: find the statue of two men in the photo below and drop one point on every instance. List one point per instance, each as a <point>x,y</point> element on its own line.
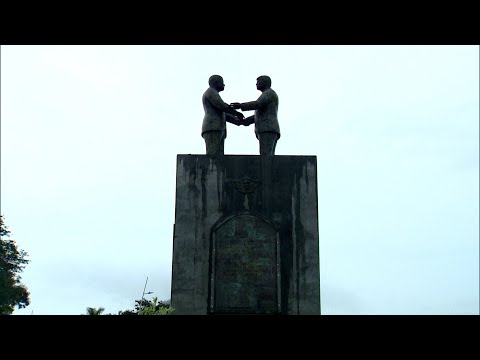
<point>217,113</point>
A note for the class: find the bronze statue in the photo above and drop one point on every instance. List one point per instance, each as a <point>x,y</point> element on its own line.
<point>265,118</point>
<point>217,112</point>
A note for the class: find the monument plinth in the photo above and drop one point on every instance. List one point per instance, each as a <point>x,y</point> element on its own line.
<point>246,235</point>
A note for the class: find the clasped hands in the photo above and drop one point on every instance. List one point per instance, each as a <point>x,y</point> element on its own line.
<point>240,117</point>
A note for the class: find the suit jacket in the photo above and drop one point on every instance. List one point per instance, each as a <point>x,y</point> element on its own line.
<point>215,107</point>
<point>266,109</point>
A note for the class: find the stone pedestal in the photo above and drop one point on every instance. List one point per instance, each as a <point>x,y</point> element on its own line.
<point>246,235</point>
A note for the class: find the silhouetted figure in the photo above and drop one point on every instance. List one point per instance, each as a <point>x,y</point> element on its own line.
<point>265,118</point>
<point>217,112</point>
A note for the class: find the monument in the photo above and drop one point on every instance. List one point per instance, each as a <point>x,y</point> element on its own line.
<point>246,231</point>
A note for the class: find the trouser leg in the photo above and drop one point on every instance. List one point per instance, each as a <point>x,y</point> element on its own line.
<point>268,142</point>
<point>214,142</point>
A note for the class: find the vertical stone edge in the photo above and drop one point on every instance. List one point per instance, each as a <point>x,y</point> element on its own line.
<point>308,265</point>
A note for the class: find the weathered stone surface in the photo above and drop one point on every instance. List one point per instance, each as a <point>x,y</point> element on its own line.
<point>246,235</point>
<point>245,266</point>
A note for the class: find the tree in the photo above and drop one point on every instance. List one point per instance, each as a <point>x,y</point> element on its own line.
<point>150,307</point>
<point>95,311</point>
<point>156,308</point>
<point>12,263</point>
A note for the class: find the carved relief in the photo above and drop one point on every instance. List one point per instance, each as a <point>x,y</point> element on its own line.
<point>245,271</point>
<point>246,185</point>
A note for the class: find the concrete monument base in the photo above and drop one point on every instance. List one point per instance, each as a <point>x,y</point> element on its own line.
<point>246,235</point>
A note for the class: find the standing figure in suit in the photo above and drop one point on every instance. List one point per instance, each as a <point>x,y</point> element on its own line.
<point>217,112</point>
<point>265,118</point>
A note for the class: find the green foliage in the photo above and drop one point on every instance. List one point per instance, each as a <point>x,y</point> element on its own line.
<point>12,262</point>
<point>95,311</point>
<point>156,308</point>
<point>127,312</point>
<point>149,307</point>
<point>152,311</point>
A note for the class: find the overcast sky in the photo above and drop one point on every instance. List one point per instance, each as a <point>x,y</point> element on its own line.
<point>90,134</point>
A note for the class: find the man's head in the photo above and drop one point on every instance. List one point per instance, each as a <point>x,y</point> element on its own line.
<point>216,81</point>
<point>263,82</point>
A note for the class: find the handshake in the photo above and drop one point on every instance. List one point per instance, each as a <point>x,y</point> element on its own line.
<point>237,117</point>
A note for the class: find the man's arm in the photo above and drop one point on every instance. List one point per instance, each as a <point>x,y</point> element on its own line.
<point>217,101</point>
<point>249,120</point>
<point>263,99</point>
<point>234,113</point>
<point>234,119</point>
<point>251,105</point>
